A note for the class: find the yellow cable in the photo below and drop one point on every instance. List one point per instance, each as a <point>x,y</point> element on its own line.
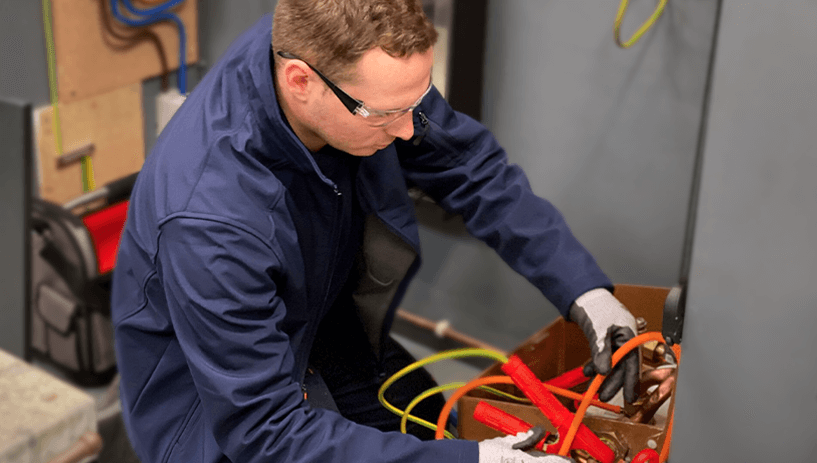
<point>447,355</point>
<point>504,394</point>
<point>622,9</point>
<point>426,394</point>
<point>52,74</point>
<point>88,183</point>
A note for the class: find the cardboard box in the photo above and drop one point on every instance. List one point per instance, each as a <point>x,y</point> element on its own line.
<point>557,348</point>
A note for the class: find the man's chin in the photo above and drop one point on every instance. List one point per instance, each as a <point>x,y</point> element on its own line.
<point>364,152</point>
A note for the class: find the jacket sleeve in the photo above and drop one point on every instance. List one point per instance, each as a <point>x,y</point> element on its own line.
<point>458,162</point>
<point>220,283</point>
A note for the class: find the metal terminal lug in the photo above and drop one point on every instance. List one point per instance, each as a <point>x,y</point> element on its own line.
<point>653,351</point>
<point>641,325</point>
<point>582,456</point>
<point>616,442</point>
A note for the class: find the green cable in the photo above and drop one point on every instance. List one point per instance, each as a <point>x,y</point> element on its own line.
<point>87,167</point>
<point>447,355</point>
<point>622,9</point>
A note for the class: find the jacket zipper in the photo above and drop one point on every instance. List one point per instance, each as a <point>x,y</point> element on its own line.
<point>338,215</point>
<point>314,327</point>
<point>424,122</point>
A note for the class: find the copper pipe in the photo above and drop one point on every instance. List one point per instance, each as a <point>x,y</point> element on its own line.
<point>442,330</point>
<point>656,376</point>
<point>645,413</point>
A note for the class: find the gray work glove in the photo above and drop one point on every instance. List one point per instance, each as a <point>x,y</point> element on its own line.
<point>500,450</point>
<point>607,324</point>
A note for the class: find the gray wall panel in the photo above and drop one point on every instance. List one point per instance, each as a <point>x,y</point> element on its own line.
<point>746,388</point>
<point>23,71</point>
<point>15,175</point>
<point>23,78</point>
<point>608,135</point>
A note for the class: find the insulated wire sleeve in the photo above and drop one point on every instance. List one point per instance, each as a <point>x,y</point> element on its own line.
<point>162,16</point>
<point>88,183</point>
<point>452,354</point>
<point>622,9</point>
<point>483,381</point>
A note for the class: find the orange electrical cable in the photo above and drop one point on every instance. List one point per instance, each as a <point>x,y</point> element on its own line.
<point>484,381</point>
<point>596,383</point>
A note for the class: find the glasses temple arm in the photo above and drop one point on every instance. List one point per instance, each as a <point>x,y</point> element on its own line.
<point>351,104</point>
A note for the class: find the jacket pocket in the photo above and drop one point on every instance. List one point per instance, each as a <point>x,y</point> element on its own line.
<point>186,447</point>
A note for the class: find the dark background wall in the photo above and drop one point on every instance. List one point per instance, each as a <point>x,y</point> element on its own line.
<point>606,134</point>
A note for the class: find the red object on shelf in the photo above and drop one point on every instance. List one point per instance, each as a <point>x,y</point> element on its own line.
<point>558,414</point>
<point>105,227</point>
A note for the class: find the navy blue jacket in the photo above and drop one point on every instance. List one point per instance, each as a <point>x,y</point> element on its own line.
<point>227,254</point>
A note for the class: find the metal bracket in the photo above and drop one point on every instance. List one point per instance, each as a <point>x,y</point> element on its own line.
<point>75,155</point>
<point>674,308</point>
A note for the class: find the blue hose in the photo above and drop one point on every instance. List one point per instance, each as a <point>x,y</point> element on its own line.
<point>150,11</point>
<point>158,14</point>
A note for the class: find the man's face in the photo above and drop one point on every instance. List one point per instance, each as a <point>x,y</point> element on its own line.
<point>382,83</point>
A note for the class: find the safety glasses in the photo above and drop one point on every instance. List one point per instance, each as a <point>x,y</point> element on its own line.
<point>373,117</point>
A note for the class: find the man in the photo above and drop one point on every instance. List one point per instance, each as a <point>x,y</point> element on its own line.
<point>270,238</point>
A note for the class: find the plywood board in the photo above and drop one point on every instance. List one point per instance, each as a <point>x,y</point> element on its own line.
<point>113,122</point>
<point>97,54</point>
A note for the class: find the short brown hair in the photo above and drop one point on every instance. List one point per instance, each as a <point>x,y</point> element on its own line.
<point>332,35</point>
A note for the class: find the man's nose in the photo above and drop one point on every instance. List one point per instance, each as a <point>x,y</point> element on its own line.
<point>403,127</point>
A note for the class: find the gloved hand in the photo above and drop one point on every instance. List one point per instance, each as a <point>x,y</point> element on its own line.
<point>607,324</point>
<point>499,450</point>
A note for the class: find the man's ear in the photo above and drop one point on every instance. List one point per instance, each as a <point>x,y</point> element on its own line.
<point>296,79</point>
